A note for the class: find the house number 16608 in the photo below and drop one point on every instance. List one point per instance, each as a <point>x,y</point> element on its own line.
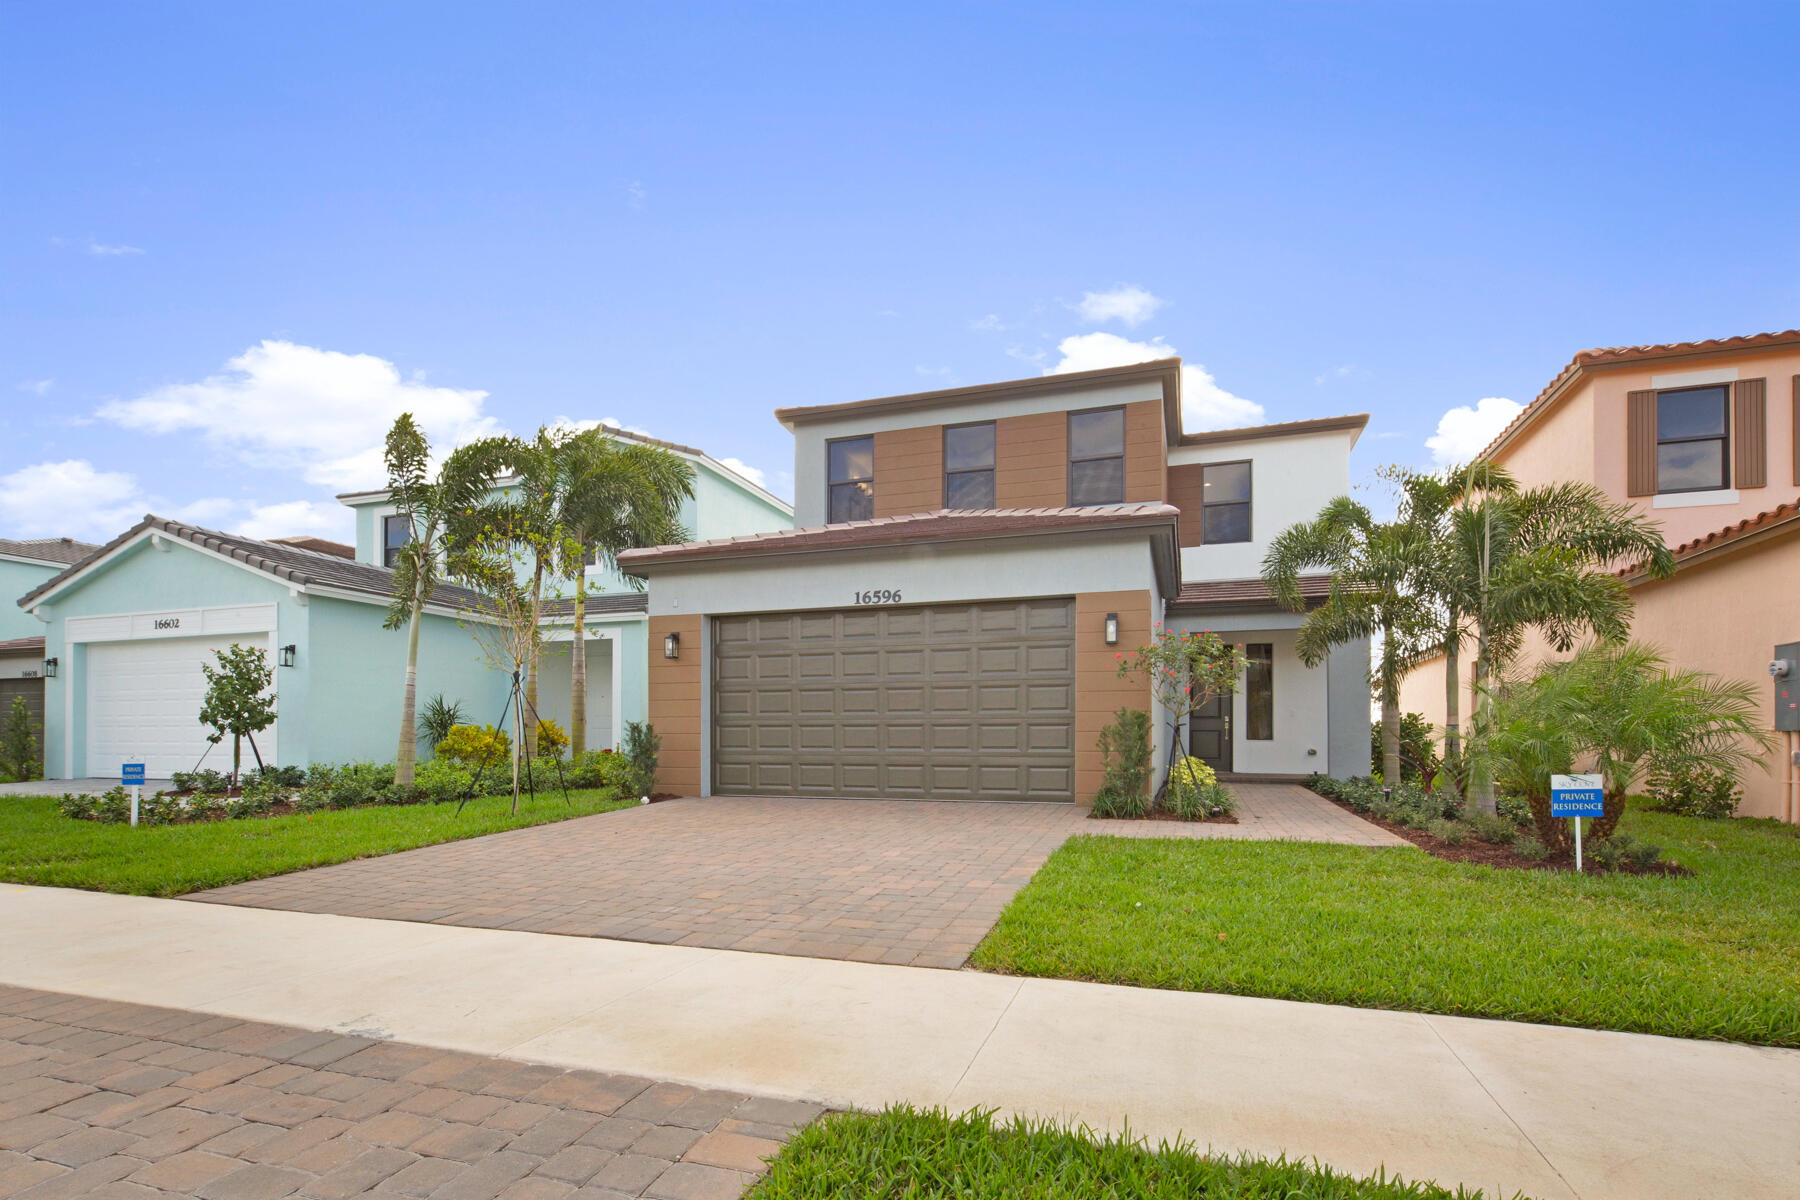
<point>880,596</point>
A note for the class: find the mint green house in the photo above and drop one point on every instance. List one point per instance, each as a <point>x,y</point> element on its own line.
<point>24,565</point>
<point>128,626</point>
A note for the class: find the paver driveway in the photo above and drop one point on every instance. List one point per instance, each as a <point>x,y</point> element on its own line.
<point>895,881</point>
<point>124,1102</point>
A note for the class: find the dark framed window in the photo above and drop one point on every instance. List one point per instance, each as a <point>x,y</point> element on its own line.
<point>1259,691</point>
<point>1693,440</point>
<point>1097,457</point>
<point>850,479</point>
<point>969,465</point>
<point>1224,502</point>
<point>395,533</point>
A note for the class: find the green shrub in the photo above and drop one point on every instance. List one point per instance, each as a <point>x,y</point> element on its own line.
<point>1445,830</point>
<point>1621,850</point>
<point>551,739</point>
<point>1409,804</point>
<point>1530,847</point>
<point>1694,789</point>
<point>288,777</point>
<point>1190,783</point>
<point>596,768</point>
<point>113,807</point>
<point>207,781</point>
<point>1125,759</point>
<point>348,785</point>
<point>1418,749</point>
<point>18,744</point>
<point>476,746</point>
<point>1493,829</point>
<point>1114,804</point>
<point>643,747</point>
<point>1515,809</point>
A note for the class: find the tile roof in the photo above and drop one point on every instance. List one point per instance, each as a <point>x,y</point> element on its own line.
<point>1245,433</point>
<point>1242,593</point>
<point>1768,519</point>
<point>1609,355</point>
<point>600,604</point>
<point>941,525</point>
<point>291,564</point>
<point>318,545</point>
<point>24,645</point>
<point>59,550</point>
<point>1167,370</point>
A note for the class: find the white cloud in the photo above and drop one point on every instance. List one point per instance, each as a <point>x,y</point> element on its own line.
<point>101,250</point>
<point>754,475</point>
<point>319,412</point>
<point>635,195</point>
<point>68,499</point>
<point>990,324</point>
<point>1204,404</point>
<point>37,387</point>
<point>1125,302</point>
<point>1339,372</point>
<point>295,518</point>
<point>1465,431</point>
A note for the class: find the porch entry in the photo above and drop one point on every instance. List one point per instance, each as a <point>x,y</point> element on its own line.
<point>1209,732</point>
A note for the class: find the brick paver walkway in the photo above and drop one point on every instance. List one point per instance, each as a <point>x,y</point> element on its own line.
<point>894,881</point>
<point>122,1102</point>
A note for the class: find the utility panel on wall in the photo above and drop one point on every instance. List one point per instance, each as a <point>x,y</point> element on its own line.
<point>1785,667</point>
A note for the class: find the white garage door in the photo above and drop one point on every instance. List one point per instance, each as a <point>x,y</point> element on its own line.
<point>143,705</point>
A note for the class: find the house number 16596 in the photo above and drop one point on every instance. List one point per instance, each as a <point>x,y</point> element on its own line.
<point>879,596</point>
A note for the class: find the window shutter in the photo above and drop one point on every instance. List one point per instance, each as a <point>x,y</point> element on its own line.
<point>1750,433</point>
<point>1640,443</point>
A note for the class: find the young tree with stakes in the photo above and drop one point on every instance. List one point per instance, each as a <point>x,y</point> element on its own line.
<point>238,701</point>
<point>1186,671</point>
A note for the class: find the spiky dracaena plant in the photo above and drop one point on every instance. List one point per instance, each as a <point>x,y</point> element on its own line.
<point>433,509</point>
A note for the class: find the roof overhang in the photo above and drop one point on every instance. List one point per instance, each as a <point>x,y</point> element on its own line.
<point>1166,371</point>
<point>1773,525</point>
<point>1354,424</point>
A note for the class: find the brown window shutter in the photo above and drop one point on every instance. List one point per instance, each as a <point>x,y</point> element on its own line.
<point>1750,433</point>
<point>1640,443</point>
<point>1796,431</point>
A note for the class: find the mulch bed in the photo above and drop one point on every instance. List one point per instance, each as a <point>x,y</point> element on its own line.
<point>1473,850</point>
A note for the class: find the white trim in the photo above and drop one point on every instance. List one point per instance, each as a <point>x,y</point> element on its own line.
<point>34,562</point>
<point>1234,451</point>
<point>162,539</point>
<point>68,690</point>
<point>618,688</point>
<point>1681,379</point>
<point>1695,499</point>
<point>217,621</point>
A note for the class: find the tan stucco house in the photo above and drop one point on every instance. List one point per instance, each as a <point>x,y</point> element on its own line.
<point>1703,437</point>
<point>945,619</point>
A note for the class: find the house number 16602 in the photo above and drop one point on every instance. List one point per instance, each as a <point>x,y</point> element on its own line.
<point>879,596</point>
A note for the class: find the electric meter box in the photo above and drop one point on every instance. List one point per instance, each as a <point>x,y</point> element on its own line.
<point>1786,669</point>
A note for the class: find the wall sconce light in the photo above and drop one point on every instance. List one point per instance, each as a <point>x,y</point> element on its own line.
<point>49,668</point>
<point>672,646</point>
<point>288,653</point>
<point>1112,629</point>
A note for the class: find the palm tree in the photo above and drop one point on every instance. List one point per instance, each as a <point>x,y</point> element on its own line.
<point>1619,711</point>
<point>620,496</point>
<point>1373,565</point>
<point>431,509</point>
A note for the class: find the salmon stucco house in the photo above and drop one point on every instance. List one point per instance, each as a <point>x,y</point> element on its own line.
<point>944,622</point>
<point>1703,437</point>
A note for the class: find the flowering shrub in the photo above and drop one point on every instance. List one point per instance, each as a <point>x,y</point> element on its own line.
<point>552,741</point>
<point>474,745</point>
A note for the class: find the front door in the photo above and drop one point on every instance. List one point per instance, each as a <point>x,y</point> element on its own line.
<point>1209,732</point>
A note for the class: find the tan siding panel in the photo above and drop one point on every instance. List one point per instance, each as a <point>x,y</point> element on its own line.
<point>1146,452</point>
<point>1031,461</point>
<point>1640,443</point>
<point>1185,493</point>
<point>674,702</point>
<point>1099,691</point>
<point>909,471</point>
<point>1750,433</point>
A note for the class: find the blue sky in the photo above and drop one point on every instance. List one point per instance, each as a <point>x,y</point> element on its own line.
<point>235,238</point>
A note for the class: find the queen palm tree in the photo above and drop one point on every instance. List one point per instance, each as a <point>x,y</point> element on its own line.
<point>432,510</point>
<point>620,496</point>
<point>1374,566</point>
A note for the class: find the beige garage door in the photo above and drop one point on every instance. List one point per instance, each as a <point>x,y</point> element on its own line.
<point>959,702</point>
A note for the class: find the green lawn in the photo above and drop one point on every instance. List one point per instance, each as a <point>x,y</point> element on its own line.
<point>904,1154</point>
<point>1713,955</point>
<point>40,845</point>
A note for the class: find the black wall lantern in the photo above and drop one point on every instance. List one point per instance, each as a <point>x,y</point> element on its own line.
<point>49,668</point>
<point>672,646</point>
<point>288,653</point>
<point>1112,629</point>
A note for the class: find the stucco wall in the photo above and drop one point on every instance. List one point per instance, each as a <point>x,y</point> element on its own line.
<point>722,508</point>
<point>1291,479</point>
<point>17,578</point>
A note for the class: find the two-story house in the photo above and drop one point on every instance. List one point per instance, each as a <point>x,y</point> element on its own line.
<point>24,565</point>
<point>968,566</point>
<point>128,626</point>
<point>1703,437</point>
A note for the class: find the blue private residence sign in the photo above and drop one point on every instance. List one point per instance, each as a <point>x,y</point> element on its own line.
<point>1577,796</point>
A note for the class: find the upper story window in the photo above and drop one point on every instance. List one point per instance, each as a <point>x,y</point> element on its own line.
<point>1097,457</point>
<point>850,477</point>
<point>1224,503</point>
<point>395,533</point>
<point>1692,440</point>
<point>969,465</point>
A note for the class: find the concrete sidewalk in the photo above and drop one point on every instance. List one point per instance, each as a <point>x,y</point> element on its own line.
<point>1552,1112</point>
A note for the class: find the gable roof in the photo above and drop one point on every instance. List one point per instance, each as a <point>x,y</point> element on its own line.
<point>47,550</point>
<point>24,645</point>
<point>290,564</point>
<point>1611,356</point>
<point>1166,371</point>
<point>318,545</point>
<point>1780,521</point>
